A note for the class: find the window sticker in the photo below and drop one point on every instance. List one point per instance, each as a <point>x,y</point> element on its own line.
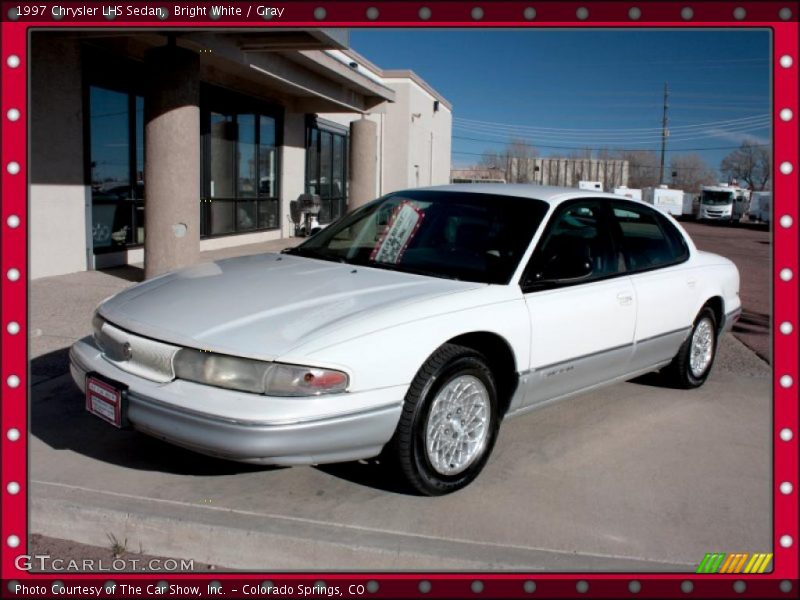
<point>402,228</point>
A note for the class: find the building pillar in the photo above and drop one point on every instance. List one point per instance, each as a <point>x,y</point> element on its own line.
<point>172,160</point>
<point>363,162</point>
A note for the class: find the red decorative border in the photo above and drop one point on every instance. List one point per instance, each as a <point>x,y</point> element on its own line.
<point>407,14</point>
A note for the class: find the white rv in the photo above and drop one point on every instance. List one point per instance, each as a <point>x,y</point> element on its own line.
<point>723,202</point>
<point>632,193</point>
<point>595,186</point>
<point>666,200</point>
<point>760,205</point>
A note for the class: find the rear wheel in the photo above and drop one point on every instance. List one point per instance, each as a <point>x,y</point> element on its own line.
<point>693,362</point>
<point>449,422</point>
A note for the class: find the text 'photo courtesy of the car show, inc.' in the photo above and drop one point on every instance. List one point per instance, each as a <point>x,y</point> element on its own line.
<point>399,299</point>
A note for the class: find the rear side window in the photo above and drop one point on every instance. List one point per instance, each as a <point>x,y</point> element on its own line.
<point>649,240</point>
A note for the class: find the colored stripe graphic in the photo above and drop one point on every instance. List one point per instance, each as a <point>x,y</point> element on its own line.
<point>742,563</point>
<point>739,562</point>
<point>729,563</point>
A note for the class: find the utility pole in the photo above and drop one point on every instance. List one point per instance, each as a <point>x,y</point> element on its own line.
<point>664,133</point>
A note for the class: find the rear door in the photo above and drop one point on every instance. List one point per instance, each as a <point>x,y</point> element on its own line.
<point>582,326</point>
<point>657,258</point>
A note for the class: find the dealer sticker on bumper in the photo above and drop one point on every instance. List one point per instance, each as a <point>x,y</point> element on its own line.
<point>106,400</point>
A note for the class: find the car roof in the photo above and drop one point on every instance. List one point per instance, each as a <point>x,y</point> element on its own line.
<point>551,194</point>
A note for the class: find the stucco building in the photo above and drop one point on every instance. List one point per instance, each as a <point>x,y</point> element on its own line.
<point>153,145</point>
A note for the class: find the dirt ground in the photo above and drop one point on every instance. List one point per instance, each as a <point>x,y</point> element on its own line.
<point>117,549</point>
<point>750,247</point>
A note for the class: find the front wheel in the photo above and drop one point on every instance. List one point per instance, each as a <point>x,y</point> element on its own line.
<point>449,422</point>
<point>693,362</point>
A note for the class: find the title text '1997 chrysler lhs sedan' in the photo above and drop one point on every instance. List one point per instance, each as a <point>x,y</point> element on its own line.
<point>413,326</point>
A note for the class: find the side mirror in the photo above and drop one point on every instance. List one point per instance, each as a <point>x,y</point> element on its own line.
<point>564,271</point>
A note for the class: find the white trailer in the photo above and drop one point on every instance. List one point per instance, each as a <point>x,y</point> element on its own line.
<point>665,199</point>
<point>760,205</point>
<point>595,186</point>
<point>632,193</point>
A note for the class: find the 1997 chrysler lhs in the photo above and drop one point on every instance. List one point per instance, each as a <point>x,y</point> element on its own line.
<point>413,325</point>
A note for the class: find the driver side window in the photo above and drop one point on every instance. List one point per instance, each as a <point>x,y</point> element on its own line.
<point>575,248</point>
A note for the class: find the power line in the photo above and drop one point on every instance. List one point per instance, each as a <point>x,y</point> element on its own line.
<point>535,129</point>
<point>595,149</point>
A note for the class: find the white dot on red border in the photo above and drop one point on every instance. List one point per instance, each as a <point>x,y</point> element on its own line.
<point>12,541</point>
<point>12,221</point>
<point>13,328</point>
<point>786,488</point>
<point>12,381</point>
<point>13,61</point>
<point>12,488</point>
<point>786,167</point>
<point>786,541</point>
<point>13,114</point>
<point>786,274</point>
<point>786,114</point>
<point>786,61</point>
<point>13,167</point>
<point>13,434</point>
<point>786,434</point>
<point>786,381</point>
<point>786,221</point>
<point>786,328</point>
<point>13,274</point>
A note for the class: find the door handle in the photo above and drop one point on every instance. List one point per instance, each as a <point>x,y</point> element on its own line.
<point>625,298</point>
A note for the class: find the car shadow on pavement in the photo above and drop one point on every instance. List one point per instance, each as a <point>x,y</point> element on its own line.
<point>377,473</point>
<point>58,418</point>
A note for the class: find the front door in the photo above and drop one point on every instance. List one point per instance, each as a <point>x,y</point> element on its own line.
<point>582,305</point>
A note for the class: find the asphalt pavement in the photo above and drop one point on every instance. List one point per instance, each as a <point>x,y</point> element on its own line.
<point>634,477</point>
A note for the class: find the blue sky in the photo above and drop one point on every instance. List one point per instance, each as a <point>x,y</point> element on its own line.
<point>589,88</point>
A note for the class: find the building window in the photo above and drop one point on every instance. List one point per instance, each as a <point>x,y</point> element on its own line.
<point>240,170</point>
<point>116,168</point>
<point>326,169</point>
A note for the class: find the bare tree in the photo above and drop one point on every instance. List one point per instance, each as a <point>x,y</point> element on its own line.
<point>751,163</point>
<point>690,172</point>
<point>643,168</point>
<point>512,160</point>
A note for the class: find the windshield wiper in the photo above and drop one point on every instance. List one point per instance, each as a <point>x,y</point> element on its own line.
<point>312,253</point>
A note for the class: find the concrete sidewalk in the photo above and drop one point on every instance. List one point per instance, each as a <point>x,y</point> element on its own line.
<point>632,477</point>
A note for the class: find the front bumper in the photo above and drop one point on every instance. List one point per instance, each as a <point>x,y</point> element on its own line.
<point>247,427</point>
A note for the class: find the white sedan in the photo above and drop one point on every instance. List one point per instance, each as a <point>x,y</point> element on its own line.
<point>412,326</point>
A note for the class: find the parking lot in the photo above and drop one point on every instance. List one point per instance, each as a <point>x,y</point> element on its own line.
<point>632,477</point>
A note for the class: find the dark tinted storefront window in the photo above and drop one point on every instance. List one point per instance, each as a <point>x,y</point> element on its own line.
<point>240,172</point>
<point>326,171</point>
<point>116,168</point>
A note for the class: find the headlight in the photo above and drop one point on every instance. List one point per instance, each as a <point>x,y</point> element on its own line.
<point>258,377</point>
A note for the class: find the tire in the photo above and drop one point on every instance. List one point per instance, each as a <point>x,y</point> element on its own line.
<point>421,442</point>
<point>681,373</point>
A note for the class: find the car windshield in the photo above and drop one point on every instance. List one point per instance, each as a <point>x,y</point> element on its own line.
<point>455,235</point>
<point>716,198</point>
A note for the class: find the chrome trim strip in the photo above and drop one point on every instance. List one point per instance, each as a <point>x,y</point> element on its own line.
<point>684,330</point>
<point>577,358</point>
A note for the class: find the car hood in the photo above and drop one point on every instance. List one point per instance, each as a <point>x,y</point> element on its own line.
<point>262,306</point>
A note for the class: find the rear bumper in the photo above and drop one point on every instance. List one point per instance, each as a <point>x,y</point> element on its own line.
<point>154,409</point>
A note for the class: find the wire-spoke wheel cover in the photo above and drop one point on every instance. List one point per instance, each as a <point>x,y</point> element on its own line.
<point>458,425</point>
<point>702,350</point>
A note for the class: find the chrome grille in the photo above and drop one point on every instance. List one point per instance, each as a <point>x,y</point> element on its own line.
<point>136,355</point>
